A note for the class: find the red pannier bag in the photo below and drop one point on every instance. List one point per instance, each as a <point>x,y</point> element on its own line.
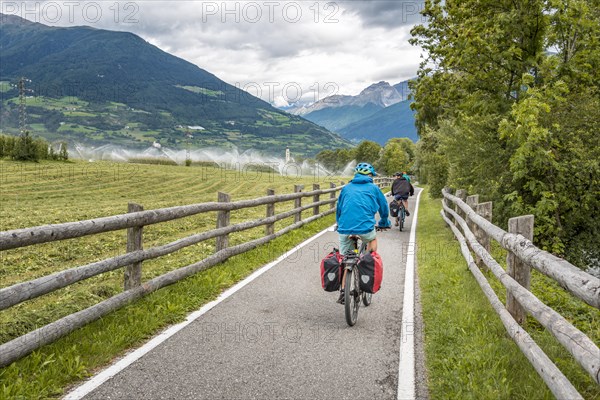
<point>370,270</point>
<point>330,271</point>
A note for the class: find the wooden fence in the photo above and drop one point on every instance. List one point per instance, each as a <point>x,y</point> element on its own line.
<point>134,221</point>
<point>474,219</point>
<point>384,181</point>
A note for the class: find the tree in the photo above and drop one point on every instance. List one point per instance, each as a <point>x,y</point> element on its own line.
<point>478,52</point>
<point>335,160</point>
<point>326,158</point>
<point>25,149</point>
<point>501,116</point>
<point>2,146</point>
<point>431,164</point>
<point>367,151</point>
<point>409,147</point>
<point>394,159</point>
<point>8,144</point>
<point>342,158</point>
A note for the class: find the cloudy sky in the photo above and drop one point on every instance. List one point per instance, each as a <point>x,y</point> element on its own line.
<point>277,50</point>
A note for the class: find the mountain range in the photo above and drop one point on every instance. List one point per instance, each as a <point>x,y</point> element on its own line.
<point>380,112</point>
<point>97,86</point>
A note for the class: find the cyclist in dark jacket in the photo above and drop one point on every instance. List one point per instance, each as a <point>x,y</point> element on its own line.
<point>401,189</point>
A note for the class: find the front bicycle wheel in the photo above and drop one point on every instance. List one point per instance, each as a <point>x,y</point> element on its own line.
<point>367,298</point>
<point>351,296</point>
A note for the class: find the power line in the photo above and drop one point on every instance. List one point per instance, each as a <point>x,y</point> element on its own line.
<point>23,105</point>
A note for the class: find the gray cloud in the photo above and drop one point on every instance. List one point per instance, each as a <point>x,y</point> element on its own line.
<point>387,14</point>
<point>324,46</point>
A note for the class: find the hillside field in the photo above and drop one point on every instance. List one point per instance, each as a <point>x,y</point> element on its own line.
<point>98,123</point>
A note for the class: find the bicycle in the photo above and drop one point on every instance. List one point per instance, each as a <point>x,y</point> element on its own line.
<point>401,215</point>
<point>353,296</point>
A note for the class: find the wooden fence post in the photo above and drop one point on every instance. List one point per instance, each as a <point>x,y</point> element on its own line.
<point>133,272</point>
<point>517,269</point>
<point>472,202</point>
<point>461,194</point>
<point>332,195</point>
<point>316,198</point>
<point>298,202</point>
<point>270,228</point>
<point>485,210</point>
<point>222,221</point>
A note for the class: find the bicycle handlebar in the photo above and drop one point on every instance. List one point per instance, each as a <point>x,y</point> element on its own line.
<point>377,228</point>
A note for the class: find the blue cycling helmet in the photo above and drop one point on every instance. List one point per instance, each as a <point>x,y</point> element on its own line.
<point>365,169</point>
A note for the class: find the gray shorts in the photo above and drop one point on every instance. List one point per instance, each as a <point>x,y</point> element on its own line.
<point>346,244</point>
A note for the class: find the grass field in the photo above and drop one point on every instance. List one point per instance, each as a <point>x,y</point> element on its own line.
<point>196,89</point>
<point>468,351</point>
<point>45,193</point>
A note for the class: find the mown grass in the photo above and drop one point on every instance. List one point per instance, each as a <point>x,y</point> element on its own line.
<point>54,193</point>
<point>468,351</point>
<point>4,86</point>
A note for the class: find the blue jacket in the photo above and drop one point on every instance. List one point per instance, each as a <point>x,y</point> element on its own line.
<point>357,205</point>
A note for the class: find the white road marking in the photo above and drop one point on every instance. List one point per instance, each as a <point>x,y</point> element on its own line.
<point>406,370</point>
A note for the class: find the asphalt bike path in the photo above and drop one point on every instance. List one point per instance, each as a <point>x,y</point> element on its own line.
<point>281,337</point>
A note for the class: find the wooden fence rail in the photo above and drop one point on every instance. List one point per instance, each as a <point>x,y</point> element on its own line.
<point>134,289</point>
<point>383,181</point>
<point>20,292</point>
<point>583,349</point>
<point>580,284</point>
<point>560,386</point>
<point>50,233</point>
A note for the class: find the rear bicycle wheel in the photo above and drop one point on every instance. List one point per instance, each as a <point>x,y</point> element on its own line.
<point>366,297</point>
<point>401,217</point>
<point>351,296</point>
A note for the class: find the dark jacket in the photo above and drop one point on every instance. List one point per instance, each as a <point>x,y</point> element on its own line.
<point>402,187</point>
<point>357,205</point>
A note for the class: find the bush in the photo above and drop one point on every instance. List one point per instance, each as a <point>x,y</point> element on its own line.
<point>25,149</point>
<point>152,160</point>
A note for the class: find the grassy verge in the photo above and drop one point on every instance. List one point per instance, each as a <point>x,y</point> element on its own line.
<point>468,351</point>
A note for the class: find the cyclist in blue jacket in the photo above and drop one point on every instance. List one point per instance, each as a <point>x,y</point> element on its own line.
<point>357,205</point>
